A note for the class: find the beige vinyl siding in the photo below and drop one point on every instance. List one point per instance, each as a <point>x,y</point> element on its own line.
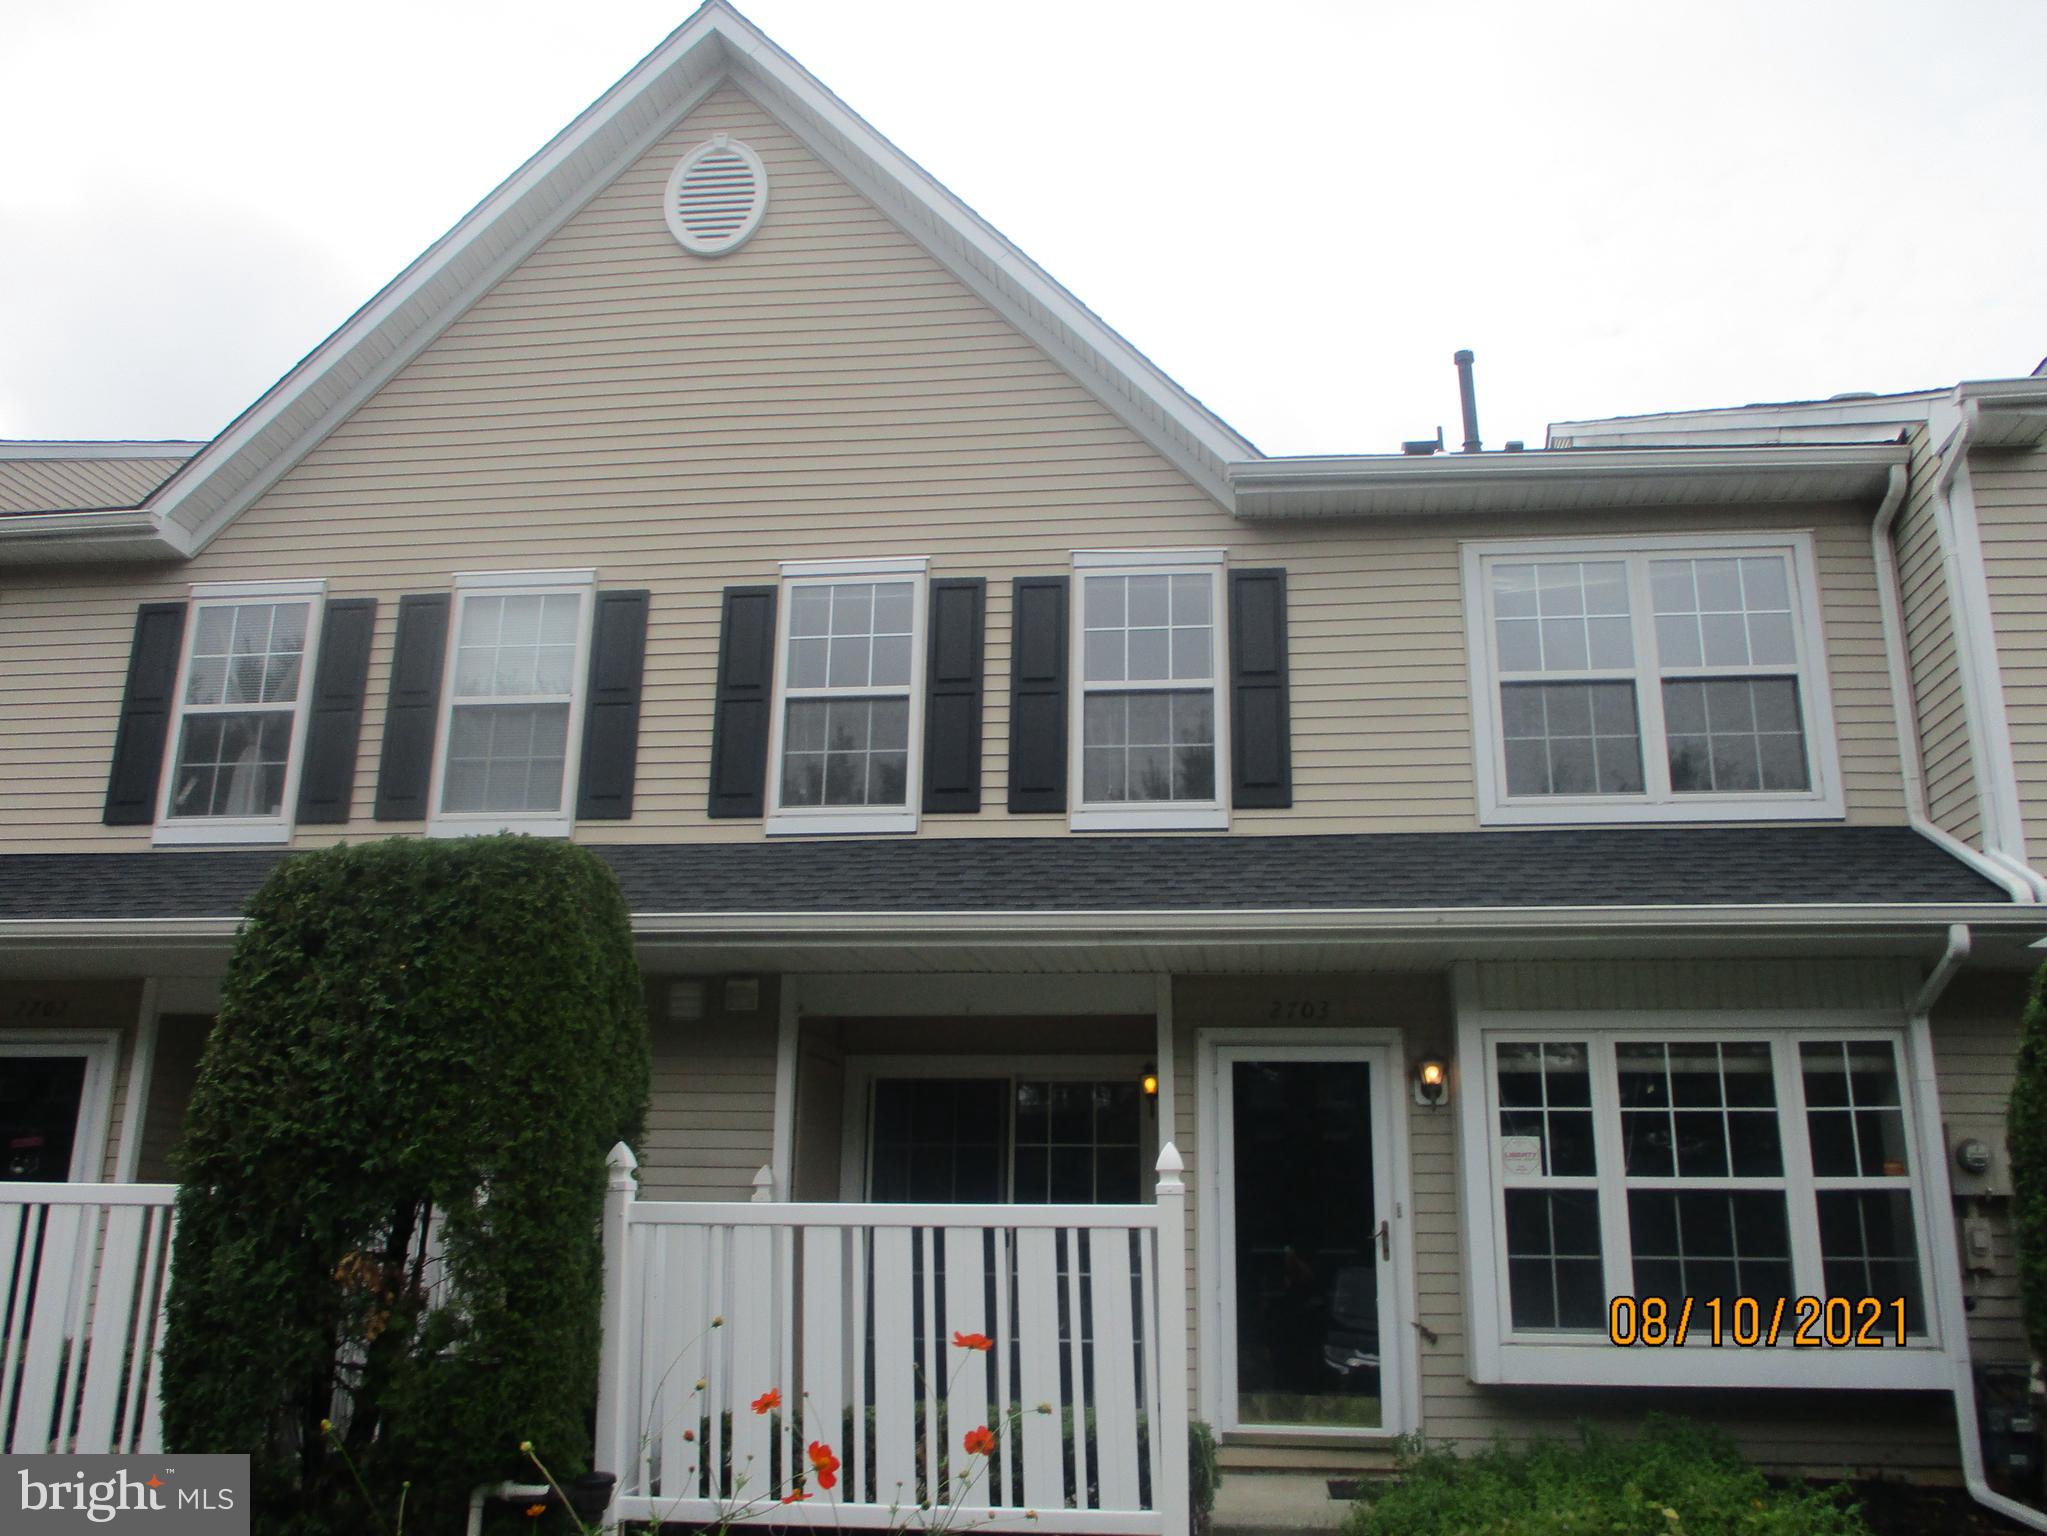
<point>827,390</point>
<point>711,1112</point>
<point>1975,1048</point>
<point>66,485</point>
<point>1937,698</point>
<point>1824,1432</point>
<point>2009,487</point>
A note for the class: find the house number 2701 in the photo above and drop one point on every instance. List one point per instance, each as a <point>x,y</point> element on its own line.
<point>1295,1011</point>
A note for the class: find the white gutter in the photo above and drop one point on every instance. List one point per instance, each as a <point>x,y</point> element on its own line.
<point>1843,919</point>
<point>1890,596</point>
<point>1947,1259</point>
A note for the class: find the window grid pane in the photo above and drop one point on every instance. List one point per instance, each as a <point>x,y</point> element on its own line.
<point>845,752</point>
<point>1571,738</point>
<point>247,653</point>
<point>852,634</point>
<point>1698,1110</point>
<point>1148,629</point>
<point>1853,1114</point>
<point>231,763</point>
<point>240,694</point>
<point>1077,1142</point>
<point>1546,1092</point>
<point>1147,747</point>
<point>1563,616</point>
<point>517,645</point>
<point>505,757</point>
<point>1735,734</point>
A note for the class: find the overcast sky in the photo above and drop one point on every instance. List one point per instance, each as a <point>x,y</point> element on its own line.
<point>1298,210</point>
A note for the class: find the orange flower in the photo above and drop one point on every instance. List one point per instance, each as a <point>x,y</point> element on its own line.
<point>825,1464</point>
<point>980,1442</point>
<point>689,1434</point>
<point>770,1399</point>
<point>979,1341</point>
<point>795,1496</point>
<point>535,1511</point>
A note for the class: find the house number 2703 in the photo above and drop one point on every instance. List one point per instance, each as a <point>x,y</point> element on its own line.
<point>1296,1011</point>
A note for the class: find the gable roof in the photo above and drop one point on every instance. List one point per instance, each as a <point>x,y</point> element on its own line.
<point>714,46</point>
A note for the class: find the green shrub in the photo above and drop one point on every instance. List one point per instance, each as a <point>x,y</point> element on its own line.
<point>408,1030</point>
<point>2026,1139</point>
<point>1676,1479</point>
<point>1204,1472</point>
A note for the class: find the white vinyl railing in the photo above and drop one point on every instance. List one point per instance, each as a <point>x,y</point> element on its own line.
<point>847,1315</point>
<point>83,1268</point>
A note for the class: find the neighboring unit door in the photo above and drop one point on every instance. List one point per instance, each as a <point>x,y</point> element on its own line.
<point>1310,1337</point>
<point>53,1094</point>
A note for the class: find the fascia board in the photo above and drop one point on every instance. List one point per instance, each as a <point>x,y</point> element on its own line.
<point>119,535</point>
<point>1671,476</point>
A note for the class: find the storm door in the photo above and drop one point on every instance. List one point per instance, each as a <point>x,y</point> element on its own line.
<point>1309,1331</point>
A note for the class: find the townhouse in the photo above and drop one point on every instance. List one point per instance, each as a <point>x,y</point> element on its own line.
<point>1508,881</point>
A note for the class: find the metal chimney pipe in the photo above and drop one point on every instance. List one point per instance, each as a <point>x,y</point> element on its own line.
<point>1468,396</point>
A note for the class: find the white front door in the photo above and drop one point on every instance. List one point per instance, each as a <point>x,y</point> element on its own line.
<point>1311,1333</point>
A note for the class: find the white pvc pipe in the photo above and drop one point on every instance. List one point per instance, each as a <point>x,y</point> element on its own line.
<point>484,1491</point>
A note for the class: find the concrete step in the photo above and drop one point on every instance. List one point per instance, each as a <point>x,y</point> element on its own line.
<point>1273,1503</point>
<point>1336,1460</point>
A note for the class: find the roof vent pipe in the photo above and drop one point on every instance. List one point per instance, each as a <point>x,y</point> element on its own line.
<point>1469,398</point>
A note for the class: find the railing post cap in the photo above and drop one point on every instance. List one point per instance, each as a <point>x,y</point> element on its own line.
<point>764,1182</point>
<point>1169,1160</point>
<point>621,1157</point>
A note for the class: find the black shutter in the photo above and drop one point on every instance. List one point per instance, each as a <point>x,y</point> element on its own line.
<point>413,708</point>
<point>1037,694</point>
<point>327,779</point>
<point>145,715</point>
<point>952,695</point>
<point>611,713</point>
<point>739,719</point>
<point>1261,751</point>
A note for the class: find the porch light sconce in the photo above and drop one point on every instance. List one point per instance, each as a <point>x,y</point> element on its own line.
<point>1431,1081</point>
<point>1148,1080</point>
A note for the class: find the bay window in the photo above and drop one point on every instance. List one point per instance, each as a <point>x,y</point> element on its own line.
<point>1681,1157</point>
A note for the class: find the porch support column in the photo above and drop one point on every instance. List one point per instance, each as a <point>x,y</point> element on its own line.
<point>1169,1129</point>
<point>783,1157</point>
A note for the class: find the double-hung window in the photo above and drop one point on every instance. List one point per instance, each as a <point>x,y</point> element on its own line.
<point>239,724</point>
<point>513,703</point>
<point>1650,679</point>
<point>1702,1162</point>
<point>1148,632</point>
<point>846,740</point>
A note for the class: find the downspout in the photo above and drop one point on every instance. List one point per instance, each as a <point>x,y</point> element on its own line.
<point>2024,888</point>
<point>1947,1278</point>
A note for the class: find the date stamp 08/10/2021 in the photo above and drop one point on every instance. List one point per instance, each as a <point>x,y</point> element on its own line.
<point>1805,1322</point>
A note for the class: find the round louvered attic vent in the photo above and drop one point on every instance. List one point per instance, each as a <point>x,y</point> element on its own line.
<point>716,196</point>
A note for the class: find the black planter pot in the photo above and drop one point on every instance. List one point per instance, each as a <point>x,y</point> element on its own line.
<point>590,1494</point>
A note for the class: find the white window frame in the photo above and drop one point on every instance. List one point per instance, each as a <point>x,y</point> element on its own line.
<point>1211,815</point>
<point>811,819</point>
<point>1500,1354</point>
<point>190,831</point>
<point>581,584</point>
<point>1657,802</point>
<point>100,1048</point>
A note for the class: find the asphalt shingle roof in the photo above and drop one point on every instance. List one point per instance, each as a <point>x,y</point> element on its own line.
<point>1618,866</point>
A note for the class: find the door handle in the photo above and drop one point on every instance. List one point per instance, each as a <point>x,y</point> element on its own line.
<point>1385,1236</point>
